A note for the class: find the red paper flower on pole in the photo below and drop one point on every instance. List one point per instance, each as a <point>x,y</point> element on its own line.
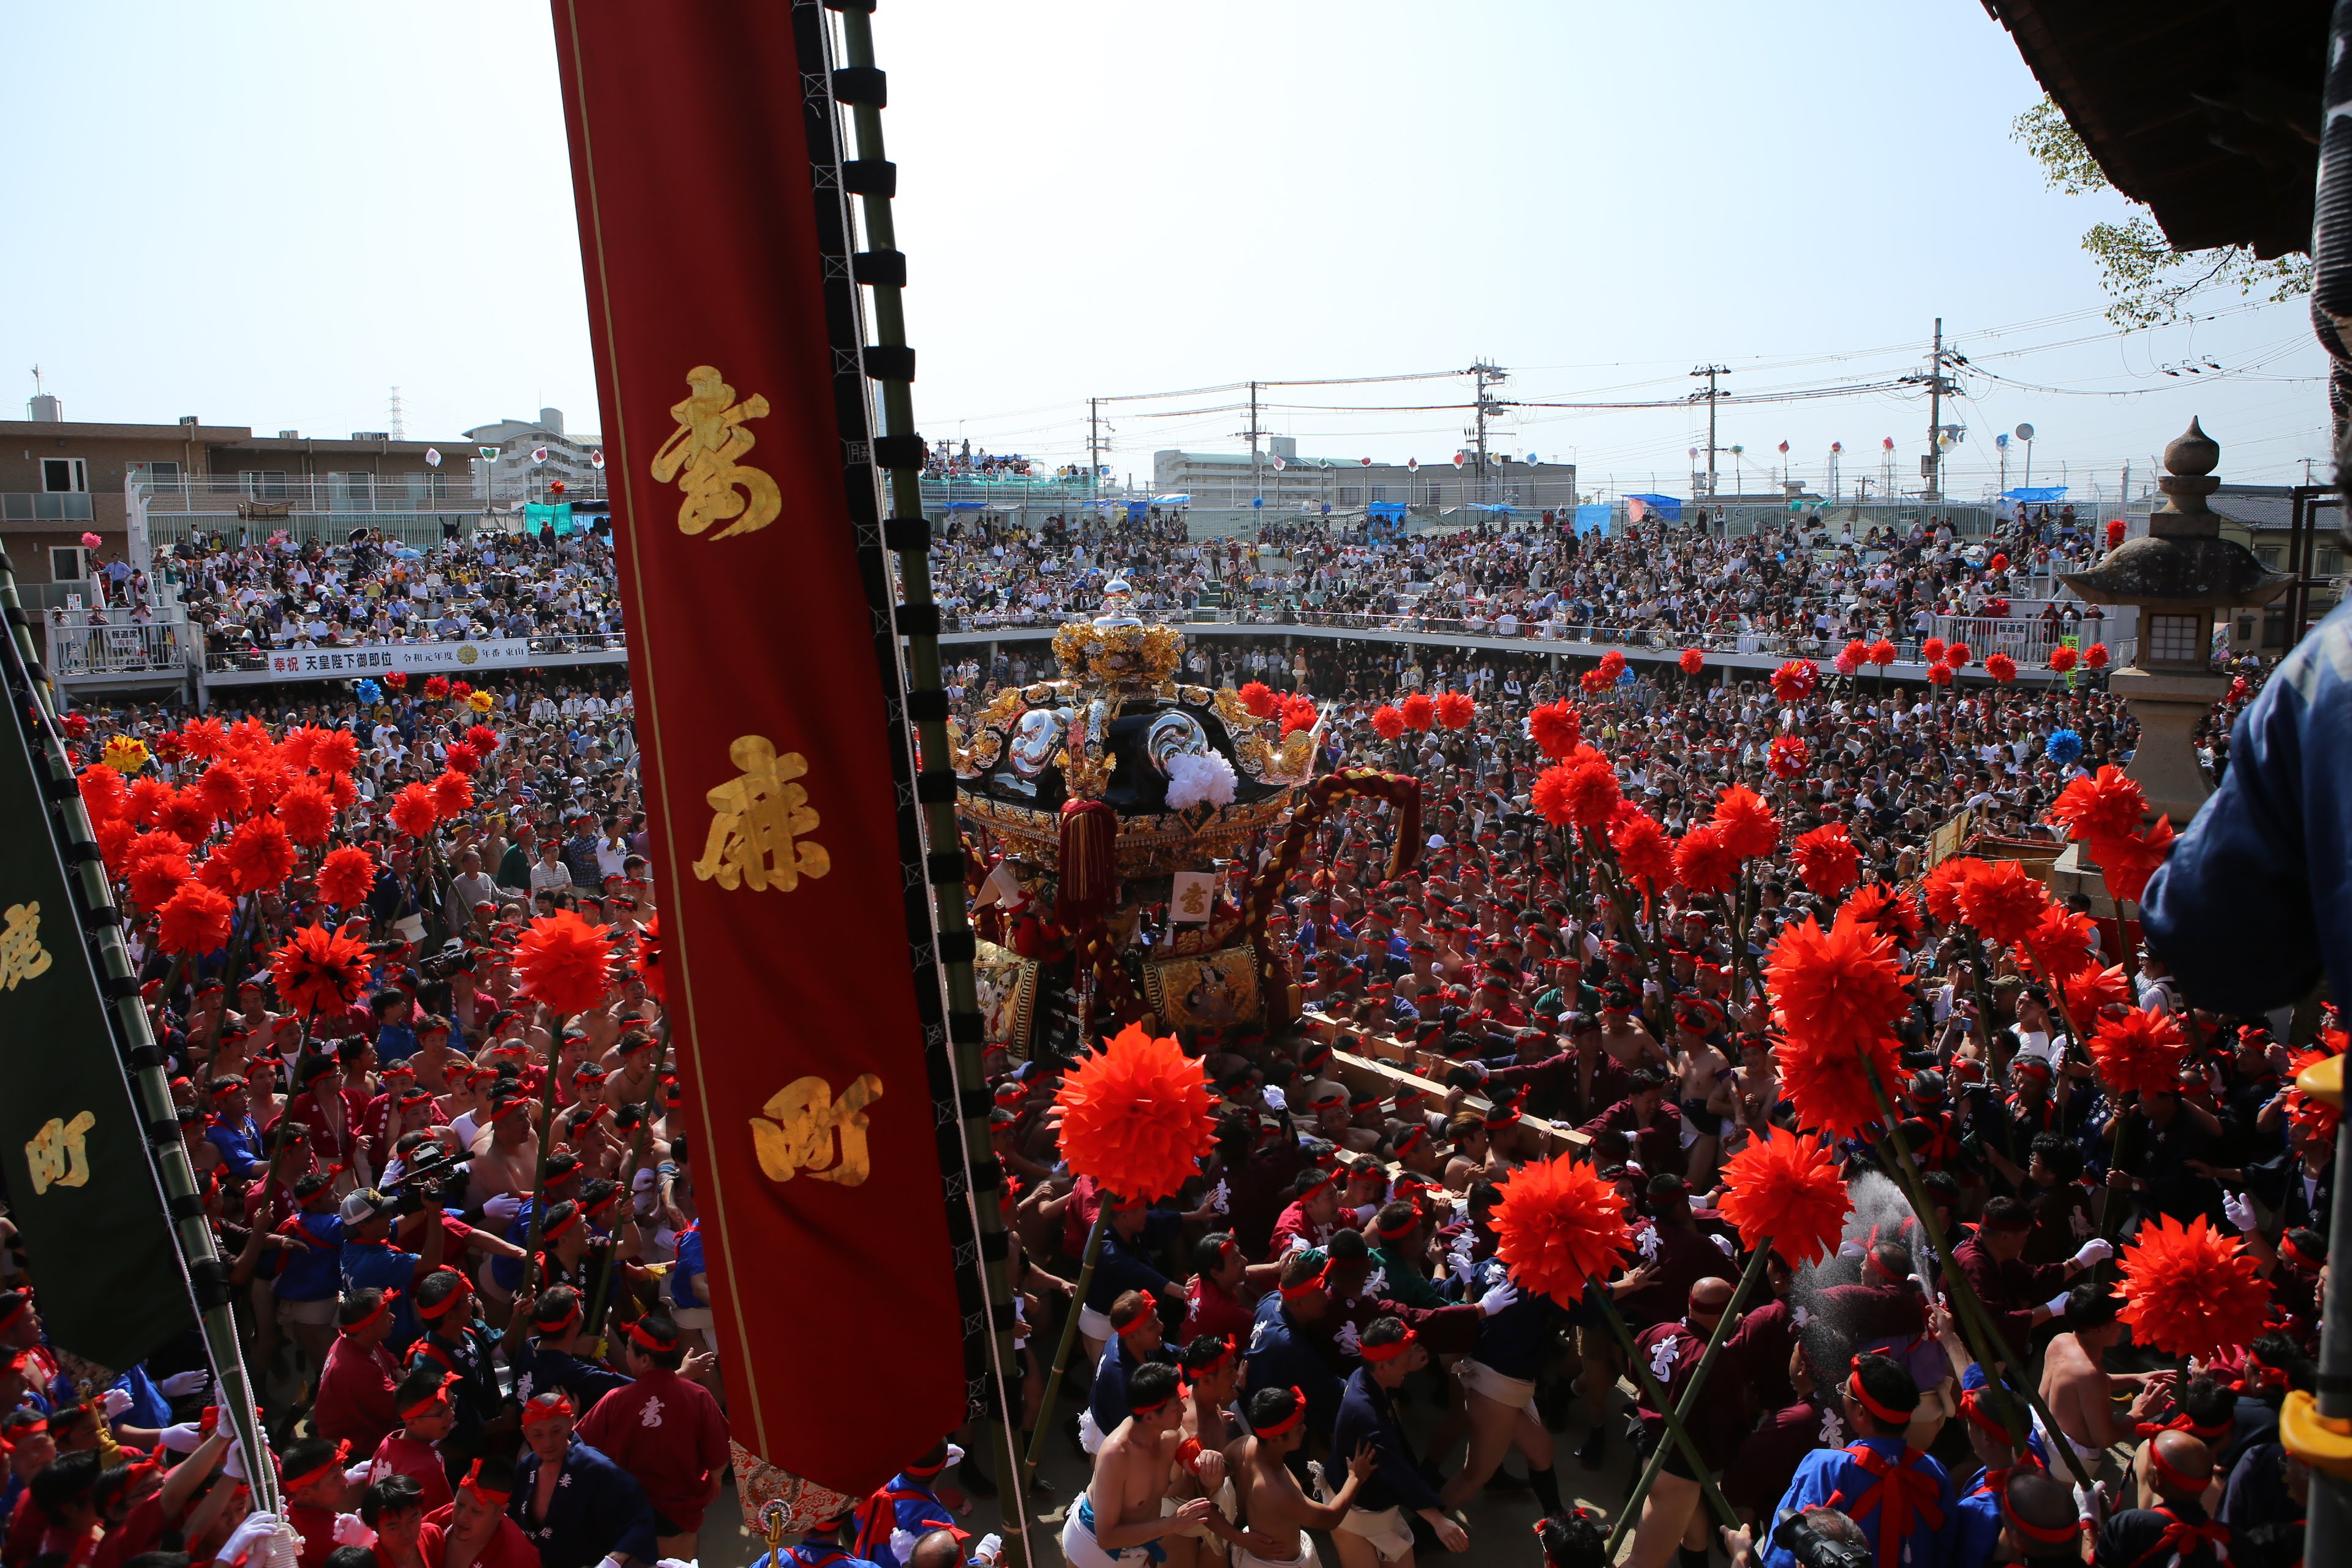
<point>1559,1227</point>
<point>1827,1085</point>
<point>2139,1053</point>
<point>461,758</point>
<point>2189,1290</point>
<point>2129,861</point>
<point>1749,829</point>
<point>1645,853</point>
<point>1419,712</point>
<point>259,855</point>
<point>1855,654</point>
<point>2001,668</point>
<point>1135,1115</point>
<point>1795,679</point>
<point>308,813</point>
<point>2062,659</point>
<point>193,921</point>
<point>2091,991</point>
<point>319,971</point>
<point>397,680</point>
<point>1881,653</point>
<point>564,962</point>
<point>2060,943</point>
<point>346,877</point>
<point>188,817</point>
<point>1787,1188</point>
<point>2313,1118</point>
<point>103,793</point>
<point>224,789</point>
<point>483,739</point>
<point>1827,861</point>
<point>1387,723</point>
<point>154,877</point>
<point>2106,804</point>
<point>337,751</point>
<point>1704,863</point>
<point>1939,675</point>
<point>1890,913</point>
<point>1455,709</point>
<point>460,690</point>
<point>452,792</point>
<point>1259,698</point>
<point>2096,656</point>
<point>1613,663</point>
<point>1787,757</point>
<point>1932,650</point>
<point>1555,729</point>
<point>1550,795</point>
<point>1692,661</point>
<point>1957,655</point>
<point>1941,888</point>
<point>1299,714</point>
<point>1593,681</point>
<point>413,811</point>
<point>437,687</point>
<point>1836,986</point>
<point>2002,900</point>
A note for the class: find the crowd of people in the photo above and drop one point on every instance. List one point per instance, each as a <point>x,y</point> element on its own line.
<point>466,1358</point>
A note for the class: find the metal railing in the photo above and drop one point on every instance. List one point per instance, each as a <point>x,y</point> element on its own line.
<point>86,644</point>
<point>238,655</point>
<point>46,506</point>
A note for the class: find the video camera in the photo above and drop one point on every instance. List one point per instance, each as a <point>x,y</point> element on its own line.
<point>1807,1536</point>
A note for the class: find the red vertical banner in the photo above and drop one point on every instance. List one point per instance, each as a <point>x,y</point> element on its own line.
<point>736,450</point>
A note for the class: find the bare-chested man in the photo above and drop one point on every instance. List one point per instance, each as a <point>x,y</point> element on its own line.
<point>1276,1512</point>
<point>1622,1035</point>
<point>2076,1385</point>
<point>1119,1509</point>
<point>1213,1376</point>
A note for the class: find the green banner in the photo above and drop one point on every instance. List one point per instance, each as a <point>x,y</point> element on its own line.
<point>81,1185</point>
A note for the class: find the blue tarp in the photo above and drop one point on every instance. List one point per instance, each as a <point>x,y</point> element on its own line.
<point>1592,519</point>
<point>1389,511</point>
<point>1666,507</point>
<point>1488,505</point>
<point>965,506</point>
<point>2038,493</point>
<point>536,517</point>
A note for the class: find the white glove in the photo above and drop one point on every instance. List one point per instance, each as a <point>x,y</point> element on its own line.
<point>114,1402</point>
<point>181,1385</point>
<point>1221,1196</point>
<point>990,1547</point>
<point>352,1530</point>
<point>2057,1304</point>
<point>359,1474</point>
<point>1275,1099</point>
<point>1364,1213</point>
<point>281,1548</point>
<point>903,1543</point>
<point>1348,1341</point>
<point>2098,1249</point>
<point>233,1466</point>
<point>1723,1244</point>
<point>955,1456</point>
<point>250,1532</point>
<point>1503,1294</point>
<point>2088,1502</point>
<point>1458,1264</point>
<point>503,1208</point>
<point>181,1438</point>
<point>609,1561</point>
<point>2239,1208</point>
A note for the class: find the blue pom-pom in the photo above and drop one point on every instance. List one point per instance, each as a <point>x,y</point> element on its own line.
<point>370,693</point>
<point>2064,747</point>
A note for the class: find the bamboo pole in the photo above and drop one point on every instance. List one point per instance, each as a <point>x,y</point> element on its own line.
<point>1679,1434</point>
<point>1062,1350</point>
<point>546,1146</point>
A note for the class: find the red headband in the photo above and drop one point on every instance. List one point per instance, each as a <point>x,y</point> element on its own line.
<point>482,1494</point>
<point>1158,1405</point>
<point>1211,1368</point>
<point>335,1462</point>
<point>644,1341</point>
<point>1329,1177</point>
<point>1378,1353</point>
<point>1413,1137</point>
<point>562,1326</point>
<point>438,1396</point>
<point>21,1305</point>
<point>542,1407</point>
<point>2047,1535</point>
<point>1297,1413</point>
<point>2173,1478</point>
<point>2298,1256</point>
<point>1307,1286</point>
<point>1973,1405</point>
<point>441,1310</point>
<point>384,1305</point>
<point>1860,1396</point>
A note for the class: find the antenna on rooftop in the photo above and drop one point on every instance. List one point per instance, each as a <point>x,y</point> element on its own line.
<point>399,429</point>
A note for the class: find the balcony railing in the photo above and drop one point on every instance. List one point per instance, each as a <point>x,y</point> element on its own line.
<point>46,506</point>
<point>86,644</point>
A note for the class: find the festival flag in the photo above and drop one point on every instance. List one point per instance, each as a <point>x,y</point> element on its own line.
<point>713,237</point>
<point>82,1186</point>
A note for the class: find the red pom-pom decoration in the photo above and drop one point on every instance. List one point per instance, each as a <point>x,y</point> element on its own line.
<point>564,964</point>
<point>336,752</point>
<point>2059,943</point>
<point>483,739</point>
<point>1957,655</point>
<point>413,811</point>
<point>1889,912</point>
<point>224,789</point>
<point>2139,1053</point>
<point>193,921</point>
<point>2002,900</point>
<point>319,971</point>
<point>2129,861</point>
<point>1645,853</point>
<point>1259,698</point>
<point>437,687</point>
<point>2100,806</point>
<point>2062,659</point>
<point>1135,1115</point>
<point>1455,709</point>
<point>259,855</point>
<point>2001,668</point>
<point>1795,679</point>
<point>452,792</point>
<point>1419,712</point>
<point>1387,723</point>
<point>1555,729</point>
<point>1692,661</point>
<point>1827,861</point>
<point>308,812</point>
<point>2091,991</point>
<point>1941,888</point>
<point>1881,653</point>
<point>461,758</point>
<point>103,793</point>
<point>2096,656</point>
<point>346,877</point>
<point>649,960</point>
<point>1932,650</point>
<point>1828,1086</point>
<point>1787,757</point>
<point>1749,829</point>
<point>1939,675</point>
<point>2189,1290</point>
<point>1836,986</point>
<point>1704,863</point>
<point>1787,1189</point>
<point>1559,1227</point>
<point>397,680</point>
<point>154,877</point>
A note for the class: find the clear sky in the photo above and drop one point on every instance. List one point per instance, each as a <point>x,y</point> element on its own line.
<point>273,213</point>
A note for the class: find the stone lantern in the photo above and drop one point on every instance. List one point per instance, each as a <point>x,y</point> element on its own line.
<point>2180,575</point>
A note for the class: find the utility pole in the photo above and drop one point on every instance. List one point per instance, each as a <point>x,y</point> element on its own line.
<point>1094,444</point>
<point>1486,375</point>
<point>1938,384</point>
<point>1710,371</point>
<point>1257,485</point>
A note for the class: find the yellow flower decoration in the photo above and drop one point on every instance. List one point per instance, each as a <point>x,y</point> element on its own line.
<point>125,754</point>
<point>480,701</point>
